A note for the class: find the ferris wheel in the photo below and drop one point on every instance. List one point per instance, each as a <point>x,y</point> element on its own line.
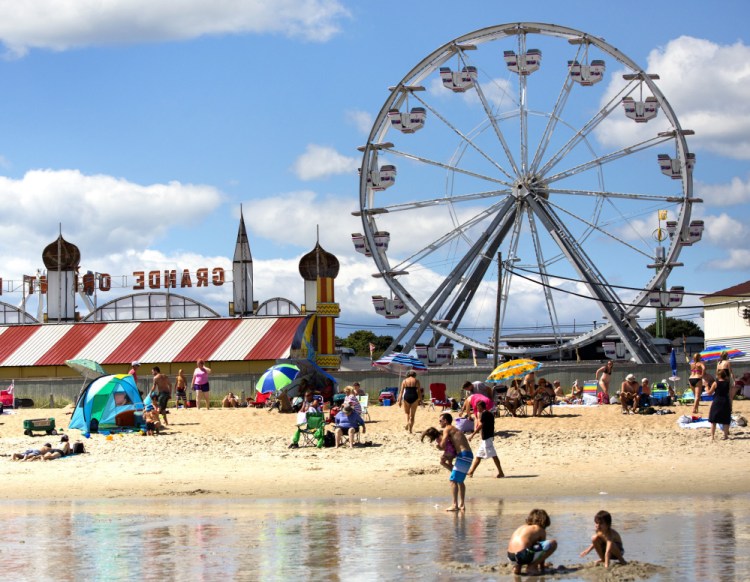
<point>534,159</point>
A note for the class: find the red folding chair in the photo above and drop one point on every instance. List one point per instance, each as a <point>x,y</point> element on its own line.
<point>260,400</point>
<point>438,397</point>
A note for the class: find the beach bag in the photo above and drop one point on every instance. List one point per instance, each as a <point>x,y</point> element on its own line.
<point>329,439</point>
<point>740,420</point>
<point>78,448</point>
<point>602,398</point>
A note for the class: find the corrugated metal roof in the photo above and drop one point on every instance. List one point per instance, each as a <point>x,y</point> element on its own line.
<point>119,343</point>
<point>243,339</point>
<point>173,341</point>
<point>14,337</point>
<point>107,341</point>
<point>207,342</point>
<point>138,342</point>
<point>37,344</point>
<point>276,343</point>
<point>74,339</point>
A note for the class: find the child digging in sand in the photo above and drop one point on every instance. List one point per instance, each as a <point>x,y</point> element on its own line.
<point>486,427</point>
<point>529,546</point>
<point>449,452</point>
<point>606,541</point>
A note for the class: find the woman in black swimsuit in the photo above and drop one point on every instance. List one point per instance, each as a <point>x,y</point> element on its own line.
<point>410,397</point>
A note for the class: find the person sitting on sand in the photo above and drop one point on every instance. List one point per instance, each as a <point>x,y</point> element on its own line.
<point>606,541</point>
<point>629,394</point>
<point>462,464</point>
<point>559,393</point>
<point>529,546</point>
<point>449,452</point>
<point>230,401</point>
<point>644,396</point>
<point>151,416</point>
<point>62,451</point>
<point>576,395</point>
<point>32,454</point>
<point>348,421</point>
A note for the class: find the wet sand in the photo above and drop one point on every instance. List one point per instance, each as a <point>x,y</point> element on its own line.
<point>242,453</point>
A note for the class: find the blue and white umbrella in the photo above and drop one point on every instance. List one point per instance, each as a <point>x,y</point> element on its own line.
<point>400,363</point>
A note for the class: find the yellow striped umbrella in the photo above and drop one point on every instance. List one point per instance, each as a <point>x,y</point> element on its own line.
<point>513,369</point>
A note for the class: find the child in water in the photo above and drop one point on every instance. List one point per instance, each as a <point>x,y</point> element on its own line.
<point>529,546</point>
<point>606,541</point>
<point>449,451</point>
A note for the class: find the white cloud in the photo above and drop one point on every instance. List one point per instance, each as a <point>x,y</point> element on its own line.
<point>690,70</point>
<point>738,259</point>
<point>321,161</point>
<point>102,215</point>
<point>64,24</point>
<point>735,192</point>
<point>723,230</point>
<point>362,120</point>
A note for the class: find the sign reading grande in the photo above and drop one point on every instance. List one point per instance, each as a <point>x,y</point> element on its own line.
<point>166,279</point>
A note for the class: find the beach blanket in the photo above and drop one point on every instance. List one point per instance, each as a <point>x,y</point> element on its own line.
<point>688,422</point>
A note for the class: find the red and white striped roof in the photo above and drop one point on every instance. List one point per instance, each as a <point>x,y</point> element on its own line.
<point>214,340</point>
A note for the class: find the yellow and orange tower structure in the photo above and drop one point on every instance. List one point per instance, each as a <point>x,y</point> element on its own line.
<point>319,268</point>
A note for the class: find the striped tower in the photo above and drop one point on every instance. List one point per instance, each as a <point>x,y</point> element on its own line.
<point>318,269</point>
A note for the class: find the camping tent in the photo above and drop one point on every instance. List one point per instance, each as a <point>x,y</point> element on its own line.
<point>108,402</point>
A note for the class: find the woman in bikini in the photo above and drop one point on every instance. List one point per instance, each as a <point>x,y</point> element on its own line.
<point>724,364</point>
<point>606,375</point>
<point>697,371</point>
<point>410,396</point>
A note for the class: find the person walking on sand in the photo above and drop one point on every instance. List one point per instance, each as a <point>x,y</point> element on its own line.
<point>410,397</point>
<point>461,465</point>
<point>606,541</point>
<point>721,408</point>
<point>606,376</point>
<point>163,389</point>
<point>486,427</point>
<point>529,546</point>
<point>200,383</point>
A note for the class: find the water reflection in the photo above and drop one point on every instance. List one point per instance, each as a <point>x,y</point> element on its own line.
<point>696,538</point>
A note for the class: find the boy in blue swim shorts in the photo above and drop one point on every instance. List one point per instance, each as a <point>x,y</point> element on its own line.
<point>461,465</point>
<point>529,546</point>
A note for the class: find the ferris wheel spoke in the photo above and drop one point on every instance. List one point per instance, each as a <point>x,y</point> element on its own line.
<point>622,195</point>
<point>501,207</point>
<point>586,130</point>
<point>465,138</point>
<point>633,337</point>
<point>432,202</point>
<point>496,127</point>
<point>507,273</point>
<point>610,157</point>
<point>450,167</point>
<point>546,287</point>
<point>601,228</point>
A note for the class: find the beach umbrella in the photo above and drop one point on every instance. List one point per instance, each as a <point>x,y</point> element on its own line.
<point>513,369</point>
<point>713,353</point>
<point>400,363</point>
<point>276,378</point>
<point>89,369</point>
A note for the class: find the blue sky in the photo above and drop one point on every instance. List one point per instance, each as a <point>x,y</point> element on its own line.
<point>142,128</point>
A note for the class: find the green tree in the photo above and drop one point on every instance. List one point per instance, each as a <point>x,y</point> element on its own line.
<point>676,328</point>
<point>361,339</point>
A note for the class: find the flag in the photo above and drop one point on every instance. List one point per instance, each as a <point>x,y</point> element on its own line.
<point>662,215</point>
<point>372,348</point>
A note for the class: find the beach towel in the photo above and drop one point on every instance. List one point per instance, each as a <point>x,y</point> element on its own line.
<point>688,422</point>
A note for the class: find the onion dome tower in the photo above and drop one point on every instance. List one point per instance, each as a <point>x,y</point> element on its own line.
<point>61,259</point>
<point>319,268</point>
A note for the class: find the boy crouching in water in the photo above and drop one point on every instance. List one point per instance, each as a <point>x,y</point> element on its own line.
<point>606,541</point>
<point>529,546</point>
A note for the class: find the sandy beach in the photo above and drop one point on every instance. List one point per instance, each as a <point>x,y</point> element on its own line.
<point>242,453</point>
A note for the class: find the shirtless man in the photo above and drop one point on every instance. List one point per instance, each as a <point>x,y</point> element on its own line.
<point>529,384</point>
<point>163,388</point>
<point>629,394</point>
<point>606,376</point>
<point>462,464</point>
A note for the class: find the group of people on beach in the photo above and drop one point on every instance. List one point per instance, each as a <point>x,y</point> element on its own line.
<point>529,546</point>
<point>46,452</point>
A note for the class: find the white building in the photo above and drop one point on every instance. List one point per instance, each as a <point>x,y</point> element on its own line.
<point>727,318</point>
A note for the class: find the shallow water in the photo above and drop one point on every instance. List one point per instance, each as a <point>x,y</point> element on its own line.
<point>696,538</point>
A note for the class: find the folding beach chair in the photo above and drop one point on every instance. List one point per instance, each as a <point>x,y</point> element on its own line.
<point>364,401</point>
<point>313,430</point>
<point>437,395</point>
<point>590,389</point>
<point>261,400</point>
